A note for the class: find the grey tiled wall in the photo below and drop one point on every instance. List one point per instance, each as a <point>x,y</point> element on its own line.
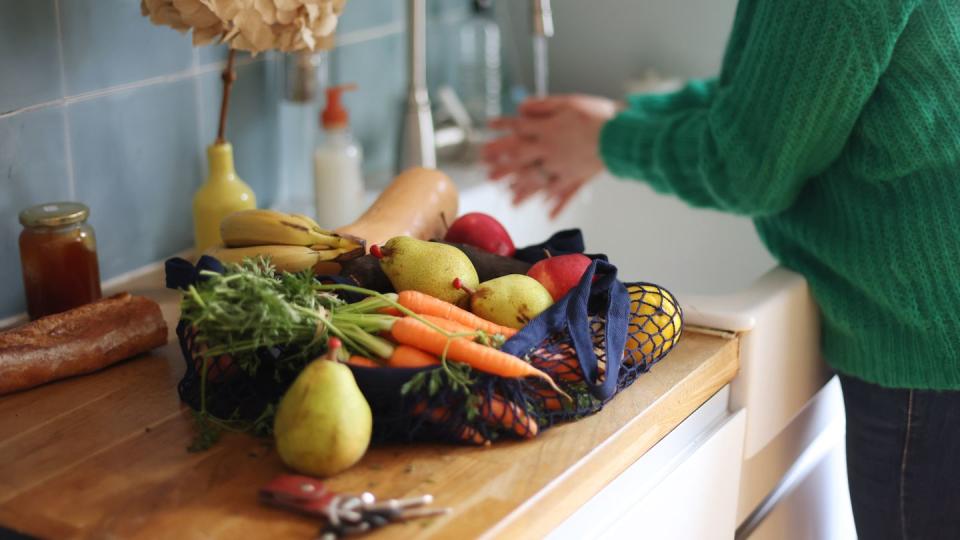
<point>98,105</point>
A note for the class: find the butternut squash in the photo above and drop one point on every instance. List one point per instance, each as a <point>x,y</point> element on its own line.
<point>418,203</point>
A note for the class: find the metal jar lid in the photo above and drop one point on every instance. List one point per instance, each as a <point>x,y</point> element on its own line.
<point>55,214</point>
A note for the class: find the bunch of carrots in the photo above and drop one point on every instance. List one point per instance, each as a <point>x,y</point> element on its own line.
<point>414,330</point>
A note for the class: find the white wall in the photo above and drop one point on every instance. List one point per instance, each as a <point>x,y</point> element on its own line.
<point>601,43</point>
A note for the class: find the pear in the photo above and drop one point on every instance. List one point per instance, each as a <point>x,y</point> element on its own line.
<point>323,422</point>
<point>511,300</point>
<point>428,267</point>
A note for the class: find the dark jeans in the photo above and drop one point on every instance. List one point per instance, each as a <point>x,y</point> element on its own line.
<point>903,461</point>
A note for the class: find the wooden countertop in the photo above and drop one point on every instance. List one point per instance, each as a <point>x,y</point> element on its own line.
<point>104,455</point>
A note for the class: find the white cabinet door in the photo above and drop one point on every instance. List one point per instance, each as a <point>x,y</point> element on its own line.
<point>816,508</point>
<point>698,501</point>
<point>695,497</point>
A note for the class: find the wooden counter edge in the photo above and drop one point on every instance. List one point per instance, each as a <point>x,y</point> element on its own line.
<point>546,510</point>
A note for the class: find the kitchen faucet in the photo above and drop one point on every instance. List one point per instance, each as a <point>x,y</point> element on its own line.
<point>417,142</point>
<point>418,139</point>
<point>542,18</point>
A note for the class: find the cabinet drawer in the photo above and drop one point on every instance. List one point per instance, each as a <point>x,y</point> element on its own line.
<point>685,487</point>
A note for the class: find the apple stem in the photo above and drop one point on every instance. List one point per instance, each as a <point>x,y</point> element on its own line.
<point>547,253</point>
<point>376,251</point>
<point>446,224</point>
<point>458,284</point>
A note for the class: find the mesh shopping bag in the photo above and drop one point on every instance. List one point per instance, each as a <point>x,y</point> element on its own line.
<point>593,342</point>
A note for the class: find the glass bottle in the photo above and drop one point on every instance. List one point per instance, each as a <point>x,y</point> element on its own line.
<point>58,255</point>
<point>480,71</point>
<point>338,162</point>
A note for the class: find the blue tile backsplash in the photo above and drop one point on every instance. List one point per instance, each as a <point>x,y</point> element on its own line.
<point>33,170</point>
<point>108,42</point>
<point>29,74</point>
<point>137,187</point>
<point>100,106</point>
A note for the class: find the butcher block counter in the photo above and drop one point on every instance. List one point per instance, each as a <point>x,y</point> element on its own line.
<point>104,456</point>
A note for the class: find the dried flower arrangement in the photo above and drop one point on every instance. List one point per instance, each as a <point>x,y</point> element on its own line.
<point>248,25</point>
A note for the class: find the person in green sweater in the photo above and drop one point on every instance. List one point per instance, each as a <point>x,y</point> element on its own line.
<point>835,126</point>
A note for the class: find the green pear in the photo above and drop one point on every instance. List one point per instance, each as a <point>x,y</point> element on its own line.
<point>428,267</point>
<point>511,300</point>
<point>323,422</point>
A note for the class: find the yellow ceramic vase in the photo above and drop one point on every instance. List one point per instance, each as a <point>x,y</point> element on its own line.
<point>223,193</point>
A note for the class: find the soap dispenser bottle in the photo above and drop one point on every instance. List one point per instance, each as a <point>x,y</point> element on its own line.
<point>337,165</point>
<point>223,193</point>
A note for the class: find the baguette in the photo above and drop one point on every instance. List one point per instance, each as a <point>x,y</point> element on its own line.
<point>78,341</point>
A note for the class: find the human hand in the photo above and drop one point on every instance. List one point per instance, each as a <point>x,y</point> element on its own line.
<point>553,146</point>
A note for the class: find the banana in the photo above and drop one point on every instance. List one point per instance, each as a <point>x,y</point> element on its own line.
<point>269,228</point>
<point>338,254</point>
<point>285,258</point>
<point>308,219</point>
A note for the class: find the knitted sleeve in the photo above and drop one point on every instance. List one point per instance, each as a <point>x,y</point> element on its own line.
<point>696,93</point>
<point>747,142</point>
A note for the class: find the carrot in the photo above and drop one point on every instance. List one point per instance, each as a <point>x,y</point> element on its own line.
<point>390,311</point>
<point>360,361</point>
<point>405,356</point>
<point>441,416</point>
<point>550,399</point>
<point>509,415</point>
<point>424,304</point>
<point>409,331</point>
<point>218,367</point>
<point>453,327</point>
<point>496,411</point>
<point>563,364</point>
<point>446,325</point>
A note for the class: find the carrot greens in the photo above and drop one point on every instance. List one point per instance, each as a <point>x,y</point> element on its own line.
<point>252,308</point>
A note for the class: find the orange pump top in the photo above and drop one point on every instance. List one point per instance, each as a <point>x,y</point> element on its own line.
<point>334,114</point>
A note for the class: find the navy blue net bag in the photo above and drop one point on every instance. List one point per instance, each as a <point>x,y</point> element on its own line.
<point>571,341</point>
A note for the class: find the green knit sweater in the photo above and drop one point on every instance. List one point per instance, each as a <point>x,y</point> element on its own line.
<point>835,125</point>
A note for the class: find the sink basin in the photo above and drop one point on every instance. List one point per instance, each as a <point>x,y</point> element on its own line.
<point>714,263</point>
<point>648,236</point>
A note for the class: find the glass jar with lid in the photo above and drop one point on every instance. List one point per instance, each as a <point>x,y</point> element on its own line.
<point>58,254</point>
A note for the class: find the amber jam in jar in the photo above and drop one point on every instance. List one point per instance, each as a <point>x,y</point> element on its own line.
<point>58,254</point>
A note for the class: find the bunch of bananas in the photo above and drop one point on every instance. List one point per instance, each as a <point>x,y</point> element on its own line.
<point>293,242</point>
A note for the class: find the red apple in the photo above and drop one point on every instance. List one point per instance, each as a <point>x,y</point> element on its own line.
<point>482,231</point>
<point>561,273</point>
